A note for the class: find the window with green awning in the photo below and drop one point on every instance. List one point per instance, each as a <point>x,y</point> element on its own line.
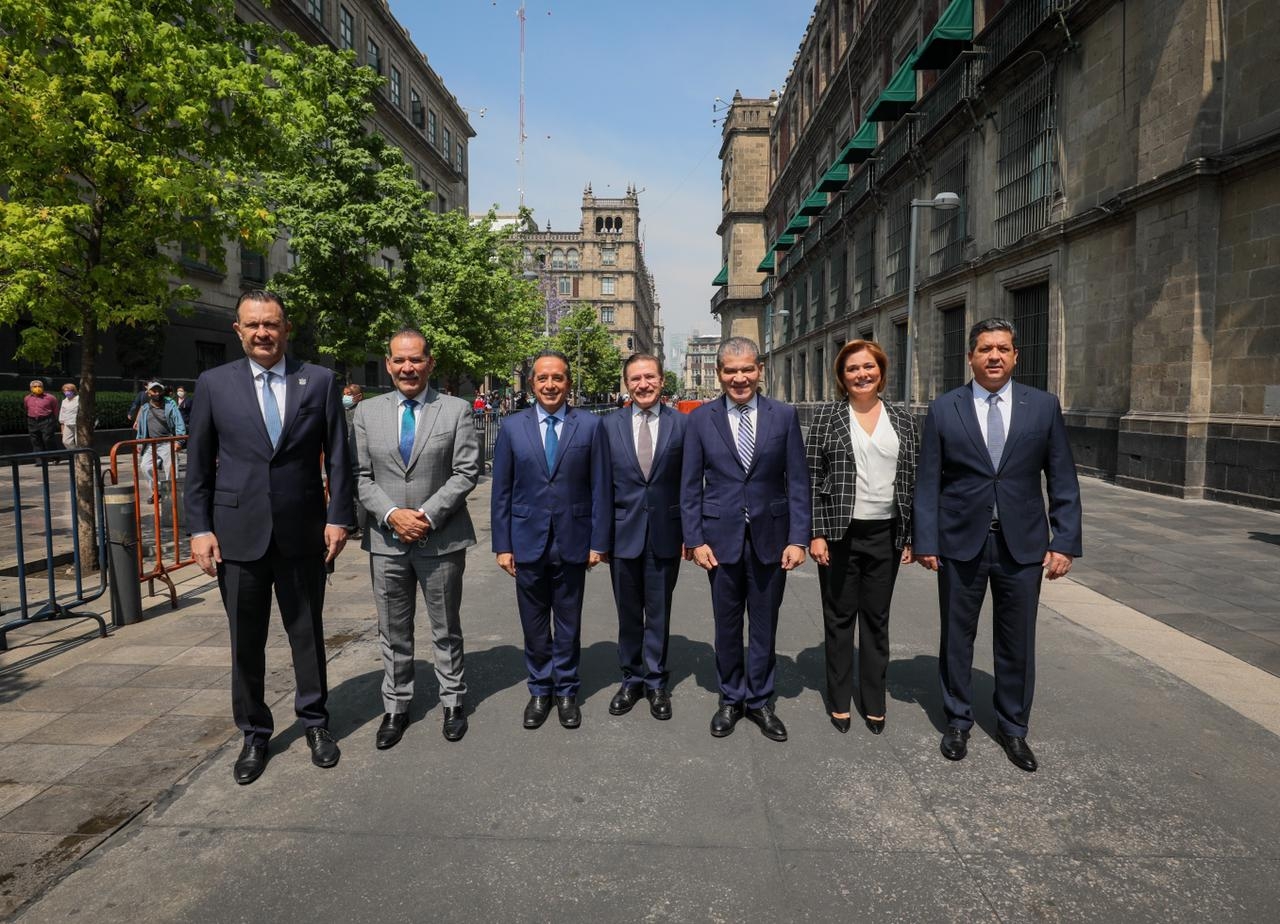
<point>784,242</point>
<point>722,278</point>
<point>952,34</point>
<point>899,96</point>
<point>767,264</point>
<point>799,224</point>
<point>835,178</point>
<point>860,145</point>
<point>814,204</point>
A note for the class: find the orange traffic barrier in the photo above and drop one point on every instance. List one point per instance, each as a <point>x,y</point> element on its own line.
<point>155,469</point>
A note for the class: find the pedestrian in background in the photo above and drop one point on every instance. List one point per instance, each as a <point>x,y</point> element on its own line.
<point>352,395</point>
<point>157,419</point>
<point>184,405</point>
<point>862,471</point>
<point>68,413</point>
<point>42,417</point>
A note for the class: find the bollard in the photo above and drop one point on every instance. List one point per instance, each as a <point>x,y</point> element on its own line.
<point>122,539</point>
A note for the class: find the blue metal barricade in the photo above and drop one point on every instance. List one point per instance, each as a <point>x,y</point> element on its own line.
<point>39,480</point>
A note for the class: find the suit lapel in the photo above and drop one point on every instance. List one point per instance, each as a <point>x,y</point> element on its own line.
<point>1017,420</point>
<point>720,420</point>
<point>533,432</point>
<point>425,424</point>
<point>840,424</point>
<point>243,381</point>
<point>764,423</point>
<point>623,424</point>
<point>565,435</point>
<point>969,421</point>
<point>665,426</point>
<point>294,386</point>
<point>390,414</point>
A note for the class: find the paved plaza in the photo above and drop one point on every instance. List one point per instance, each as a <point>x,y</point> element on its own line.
<point>1156,723</point>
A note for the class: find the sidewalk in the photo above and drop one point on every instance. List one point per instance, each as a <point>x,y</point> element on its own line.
<point>1155,799</point>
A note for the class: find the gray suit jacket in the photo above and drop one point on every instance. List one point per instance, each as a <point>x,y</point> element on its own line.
<point>443,469</point>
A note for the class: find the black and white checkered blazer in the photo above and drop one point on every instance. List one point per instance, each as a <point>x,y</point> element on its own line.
<point>833,474</point>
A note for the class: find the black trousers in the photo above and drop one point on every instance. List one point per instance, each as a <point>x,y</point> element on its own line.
<point>246,594</point>
<point>857,588</point>
<point>44,433</point>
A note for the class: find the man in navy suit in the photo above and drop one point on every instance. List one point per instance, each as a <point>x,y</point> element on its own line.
<point>646,445</point>
<point>551,512</point>
<point>745,506</point>
<point>256,508</point>
<point>980,520</point>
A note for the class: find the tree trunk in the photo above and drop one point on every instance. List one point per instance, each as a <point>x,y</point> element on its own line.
<point>85,488</point>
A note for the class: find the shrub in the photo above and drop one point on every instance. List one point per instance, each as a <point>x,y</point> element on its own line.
<point>112,411</point>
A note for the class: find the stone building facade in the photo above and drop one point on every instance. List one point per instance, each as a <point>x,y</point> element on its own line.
<point>1118,166</point>
<point>744,188</point>
<point>415,112</point>
<point>601,263</point>
<point>699,373</point>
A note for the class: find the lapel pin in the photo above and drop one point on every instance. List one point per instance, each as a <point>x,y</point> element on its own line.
<point>302,381</point>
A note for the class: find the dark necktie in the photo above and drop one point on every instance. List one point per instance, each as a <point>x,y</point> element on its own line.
<point>270,409</point>
<point>407,425</point>
<point>552,442</point>
<point>995,430</point>
<point>746,436</point>
<point>644,443</point>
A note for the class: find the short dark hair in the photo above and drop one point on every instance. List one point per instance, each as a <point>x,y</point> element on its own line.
<point>877,353</point>
<point>554,354</point>
<point>990,325</point>
<point>261,295</point>
<point>737,346</point>
<point>407,331</point>
<point>639,357</point>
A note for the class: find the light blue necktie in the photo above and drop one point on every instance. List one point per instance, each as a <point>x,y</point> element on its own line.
<point>270,409</point>
<point>407,430</point>
<point>552,442</point>
<point>995,431</point>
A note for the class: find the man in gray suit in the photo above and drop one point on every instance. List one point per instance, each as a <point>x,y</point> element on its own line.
<point>418,458</point>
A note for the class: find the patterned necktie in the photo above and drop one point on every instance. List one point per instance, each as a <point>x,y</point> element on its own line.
<point>270,409</point>
<point>746,435</point>
<point>995,431</point>
<point>552,442</point>
<point>644,443</point>
<point>407,425</point>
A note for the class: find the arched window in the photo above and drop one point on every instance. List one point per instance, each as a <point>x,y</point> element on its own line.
<point>528,255</point>
<point>599,225</point>
<point>617,224</point>
<point>572,258</point>
<point>557,259</point>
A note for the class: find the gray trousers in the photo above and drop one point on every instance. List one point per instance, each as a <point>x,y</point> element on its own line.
<point>396,583</point>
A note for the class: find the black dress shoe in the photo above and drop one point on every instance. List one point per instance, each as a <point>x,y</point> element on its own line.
<point>391,730</point>
<point>955,743</point>
<point>250,764</point>
<point>659,703</point>
<point>324,750</point>
<point>841,725</point>
<point>455,723</point>
<point>567,709</point>
<point>536,712</point>
<point>770,725</point>
<point>876,725</point>
<point>725,718</point>
<point>626,697</point>
<point>1018,752</point>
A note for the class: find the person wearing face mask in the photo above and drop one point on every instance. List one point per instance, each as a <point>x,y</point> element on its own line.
<point>862,470</point>
<point>158,418</point>
<point>184,405</point>
<point>352,395</point>
<point>67,414</point>
<point>42,416</point>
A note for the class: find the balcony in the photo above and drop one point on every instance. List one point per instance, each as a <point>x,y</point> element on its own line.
<point>1013,26</point>
<point>858,188</point>
<point>959,82</point>
<point>733,293</point>
<point>894,148</point>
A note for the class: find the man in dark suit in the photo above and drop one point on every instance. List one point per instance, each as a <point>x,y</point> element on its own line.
<point>746,511</point>
<point>980,520</point>
<point>551,513</point>
<point>646,446</point>
<point>255,505</point>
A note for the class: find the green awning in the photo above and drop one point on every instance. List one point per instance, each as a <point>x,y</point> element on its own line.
<point>860,145</point>
<point>767,264</point>
<point>899,96</point>
<point>814,204</point>
<point>952,35</point>
<point>798,224</point>
<point>835,178</point>
<point>784,242</point>
<point>722,278</point>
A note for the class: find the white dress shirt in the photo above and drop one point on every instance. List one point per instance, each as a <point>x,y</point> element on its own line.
<point>875,457</point>
<point>1005,405</point>
<point>735,417</point>
<point>277,386</point>
<point>559,415</point>
<point>636,418</point>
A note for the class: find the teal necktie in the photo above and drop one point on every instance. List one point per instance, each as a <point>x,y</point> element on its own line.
<point>407,424</point>
<point>552,442</point>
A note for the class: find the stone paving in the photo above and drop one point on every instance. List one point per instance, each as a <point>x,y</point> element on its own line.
<point>1155,800</point>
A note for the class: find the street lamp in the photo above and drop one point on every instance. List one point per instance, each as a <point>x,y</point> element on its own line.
<point>943,202</point>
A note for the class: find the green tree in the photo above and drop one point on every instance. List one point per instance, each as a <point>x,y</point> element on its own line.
<point>670,384</point>
<point>481,316</point>
<point>133,135</point>
<point>593,356</point>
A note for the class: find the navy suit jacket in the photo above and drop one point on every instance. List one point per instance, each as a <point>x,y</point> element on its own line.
<point>646,512</point>
<point>957,489</point>
<point>242,490</point>
<point>577,495</point>
<point>717,493</point>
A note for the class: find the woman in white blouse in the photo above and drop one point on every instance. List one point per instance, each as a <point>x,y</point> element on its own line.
<point>862,467</point>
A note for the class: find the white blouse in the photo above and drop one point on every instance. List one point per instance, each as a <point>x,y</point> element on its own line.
<point>876,457</point>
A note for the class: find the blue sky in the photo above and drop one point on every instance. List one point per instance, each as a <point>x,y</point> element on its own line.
<point>616,93</point>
